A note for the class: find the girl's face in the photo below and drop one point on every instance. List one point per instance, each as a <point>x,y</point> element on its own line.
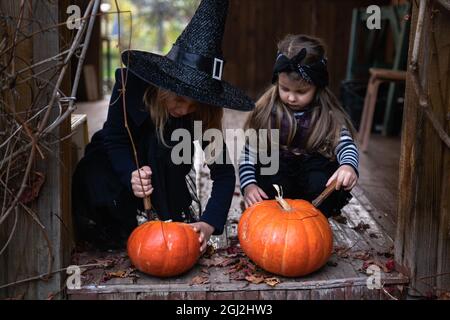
<point>296,94</point>
<point>178,106</point>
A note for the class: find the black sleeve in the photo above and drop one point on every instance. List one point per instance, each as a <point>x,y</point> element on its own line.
<point>224,181</point>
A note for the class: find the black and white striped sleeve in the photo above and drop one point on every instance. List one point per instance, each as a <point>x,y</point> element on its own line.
<point>247,166</point>
<point>346,151</point>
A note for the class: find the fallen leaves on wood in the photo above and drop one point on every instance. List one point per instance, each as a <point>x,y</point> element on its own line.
<point>255,279</point>
<point>390,265</point>
<point>361,227</point>
<point>362,255</point>
<point>340,219</point>
<point>341,251</point>
<point>387,266</point>
<point>205,271</point>
<point>332,263</point>
<point>217,261</point>
<point>387,254</point>
<point>238,267</point>
<point>198,280</point>
<point>231,251</point>
<point>128,273</point>
<point>210,250</point>
<point>272,281</point>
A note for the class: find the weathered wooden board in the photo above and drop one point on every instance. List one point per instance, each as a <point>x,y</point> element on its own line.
<point>422,240</point>
<point>343,280</point>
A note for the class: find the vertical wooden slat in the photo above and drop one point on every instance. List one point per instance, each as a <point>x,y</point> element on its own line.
<point>422,242</point>
<point>28,252</point>
<point>440,95</point>
<point>49,202</point>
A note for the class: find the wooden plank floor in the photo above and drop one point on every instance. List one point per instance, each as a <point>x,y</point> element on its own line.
<point>379,174</point>
<point>362,236</point>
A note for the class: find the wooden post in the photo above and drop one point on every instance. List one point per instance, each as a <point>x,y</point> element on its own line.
<point>35,251</point>
<point>422,245</point>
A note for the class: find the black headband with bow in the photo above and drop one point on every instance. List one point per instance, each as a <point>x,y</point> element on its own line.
<point>315,73</point>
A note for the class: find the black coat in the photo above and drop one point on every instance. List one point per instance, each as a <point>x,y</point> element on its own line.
<point>102,177</point>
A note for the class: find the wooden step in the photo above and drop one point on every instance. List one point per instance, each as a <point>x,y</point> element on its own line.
<point>359,242</point>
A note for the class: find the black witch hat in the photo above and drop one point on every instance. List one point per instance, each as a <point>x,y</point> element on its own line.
<point>193,68</point>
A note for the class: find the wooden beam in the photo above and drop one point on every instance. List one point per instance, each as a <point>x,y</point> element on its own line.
<point>38,249</point>
<point>423,238</point>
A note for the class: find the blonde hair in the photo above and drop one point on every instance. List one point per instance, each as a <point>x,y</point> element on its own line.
<point>328,117</point>
<point>155,100</point>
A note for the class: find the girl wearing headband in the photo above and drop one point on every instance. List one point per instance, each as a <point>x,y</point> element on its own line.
<point>316,143</point>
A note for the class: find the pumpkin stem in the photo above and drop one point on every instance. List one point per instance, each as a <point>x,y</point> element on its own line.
<point>283,203</point>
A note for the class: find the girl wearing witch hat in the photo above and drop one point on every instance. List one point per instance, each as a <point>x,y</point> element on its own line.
<point>157,95</point>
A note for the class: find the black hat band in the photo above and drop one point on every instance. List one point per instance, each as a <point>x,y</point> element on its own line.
<point>211,66</point>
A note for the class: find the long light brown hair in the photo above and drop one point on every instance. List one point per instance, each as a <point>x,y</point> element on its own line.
<point>156,99</point>
<point>328,117</point>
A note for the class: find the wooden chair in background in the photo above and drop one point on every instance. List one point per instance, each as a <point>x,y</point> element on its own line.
<point>377,76</point>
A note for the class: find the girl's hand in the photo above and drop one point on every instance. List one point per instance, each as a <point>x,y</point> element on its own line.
<point>346,177</point>
<point>144,189</point>
<point>253,194</point>
<point>205,230</point>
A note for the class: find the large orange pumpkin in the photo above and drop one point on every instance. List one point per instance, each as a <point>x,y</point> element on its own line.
<point>163,249</point>
<point>287,237</point>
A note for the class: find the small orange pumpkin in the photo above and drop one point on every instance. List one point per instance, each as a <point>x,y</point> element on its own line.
<point>287,237</point>
<point>163,249</point>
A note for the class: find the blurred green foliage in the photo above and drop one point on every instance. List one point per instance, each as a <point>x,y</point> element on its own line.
<point>148,25</point>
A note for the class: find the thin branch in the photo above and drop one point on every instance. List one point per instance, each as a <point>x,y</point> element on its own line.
<point>13,230</point>
<point>43,276</point>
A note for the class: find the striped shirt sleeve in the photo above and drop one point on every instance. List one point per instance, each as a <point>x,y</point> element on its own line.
<point>346,151</point>
<point>247,166</point>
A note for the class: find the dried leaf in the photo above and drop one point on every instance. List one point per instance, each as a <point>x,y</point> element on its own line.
<point>117,274</point>
<point>204,270</point>
<point>390,265</point>
<point>342,252</point>
<point>361,227</point>
<point>129,273</point>
<point>228,262</point>
<point>210,250</point>
<point>362,255</point>
<point>255,279</point>
<point>386,267</point>
<point>208,262</point>
<point>386,254</point>
<point>199,280</point>
<point>31,191</point>
<point>332,263</point>
<point>272,281</point>
<point>234,250</point>
<point>340,219</point>
<point>238,276</point>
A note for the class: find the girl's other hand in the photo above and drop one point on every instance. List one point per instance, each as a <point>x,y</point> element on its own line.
<point>253,194</point>
<point>346,177</point>
<point>144,189</point>
<point>205,231</point>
